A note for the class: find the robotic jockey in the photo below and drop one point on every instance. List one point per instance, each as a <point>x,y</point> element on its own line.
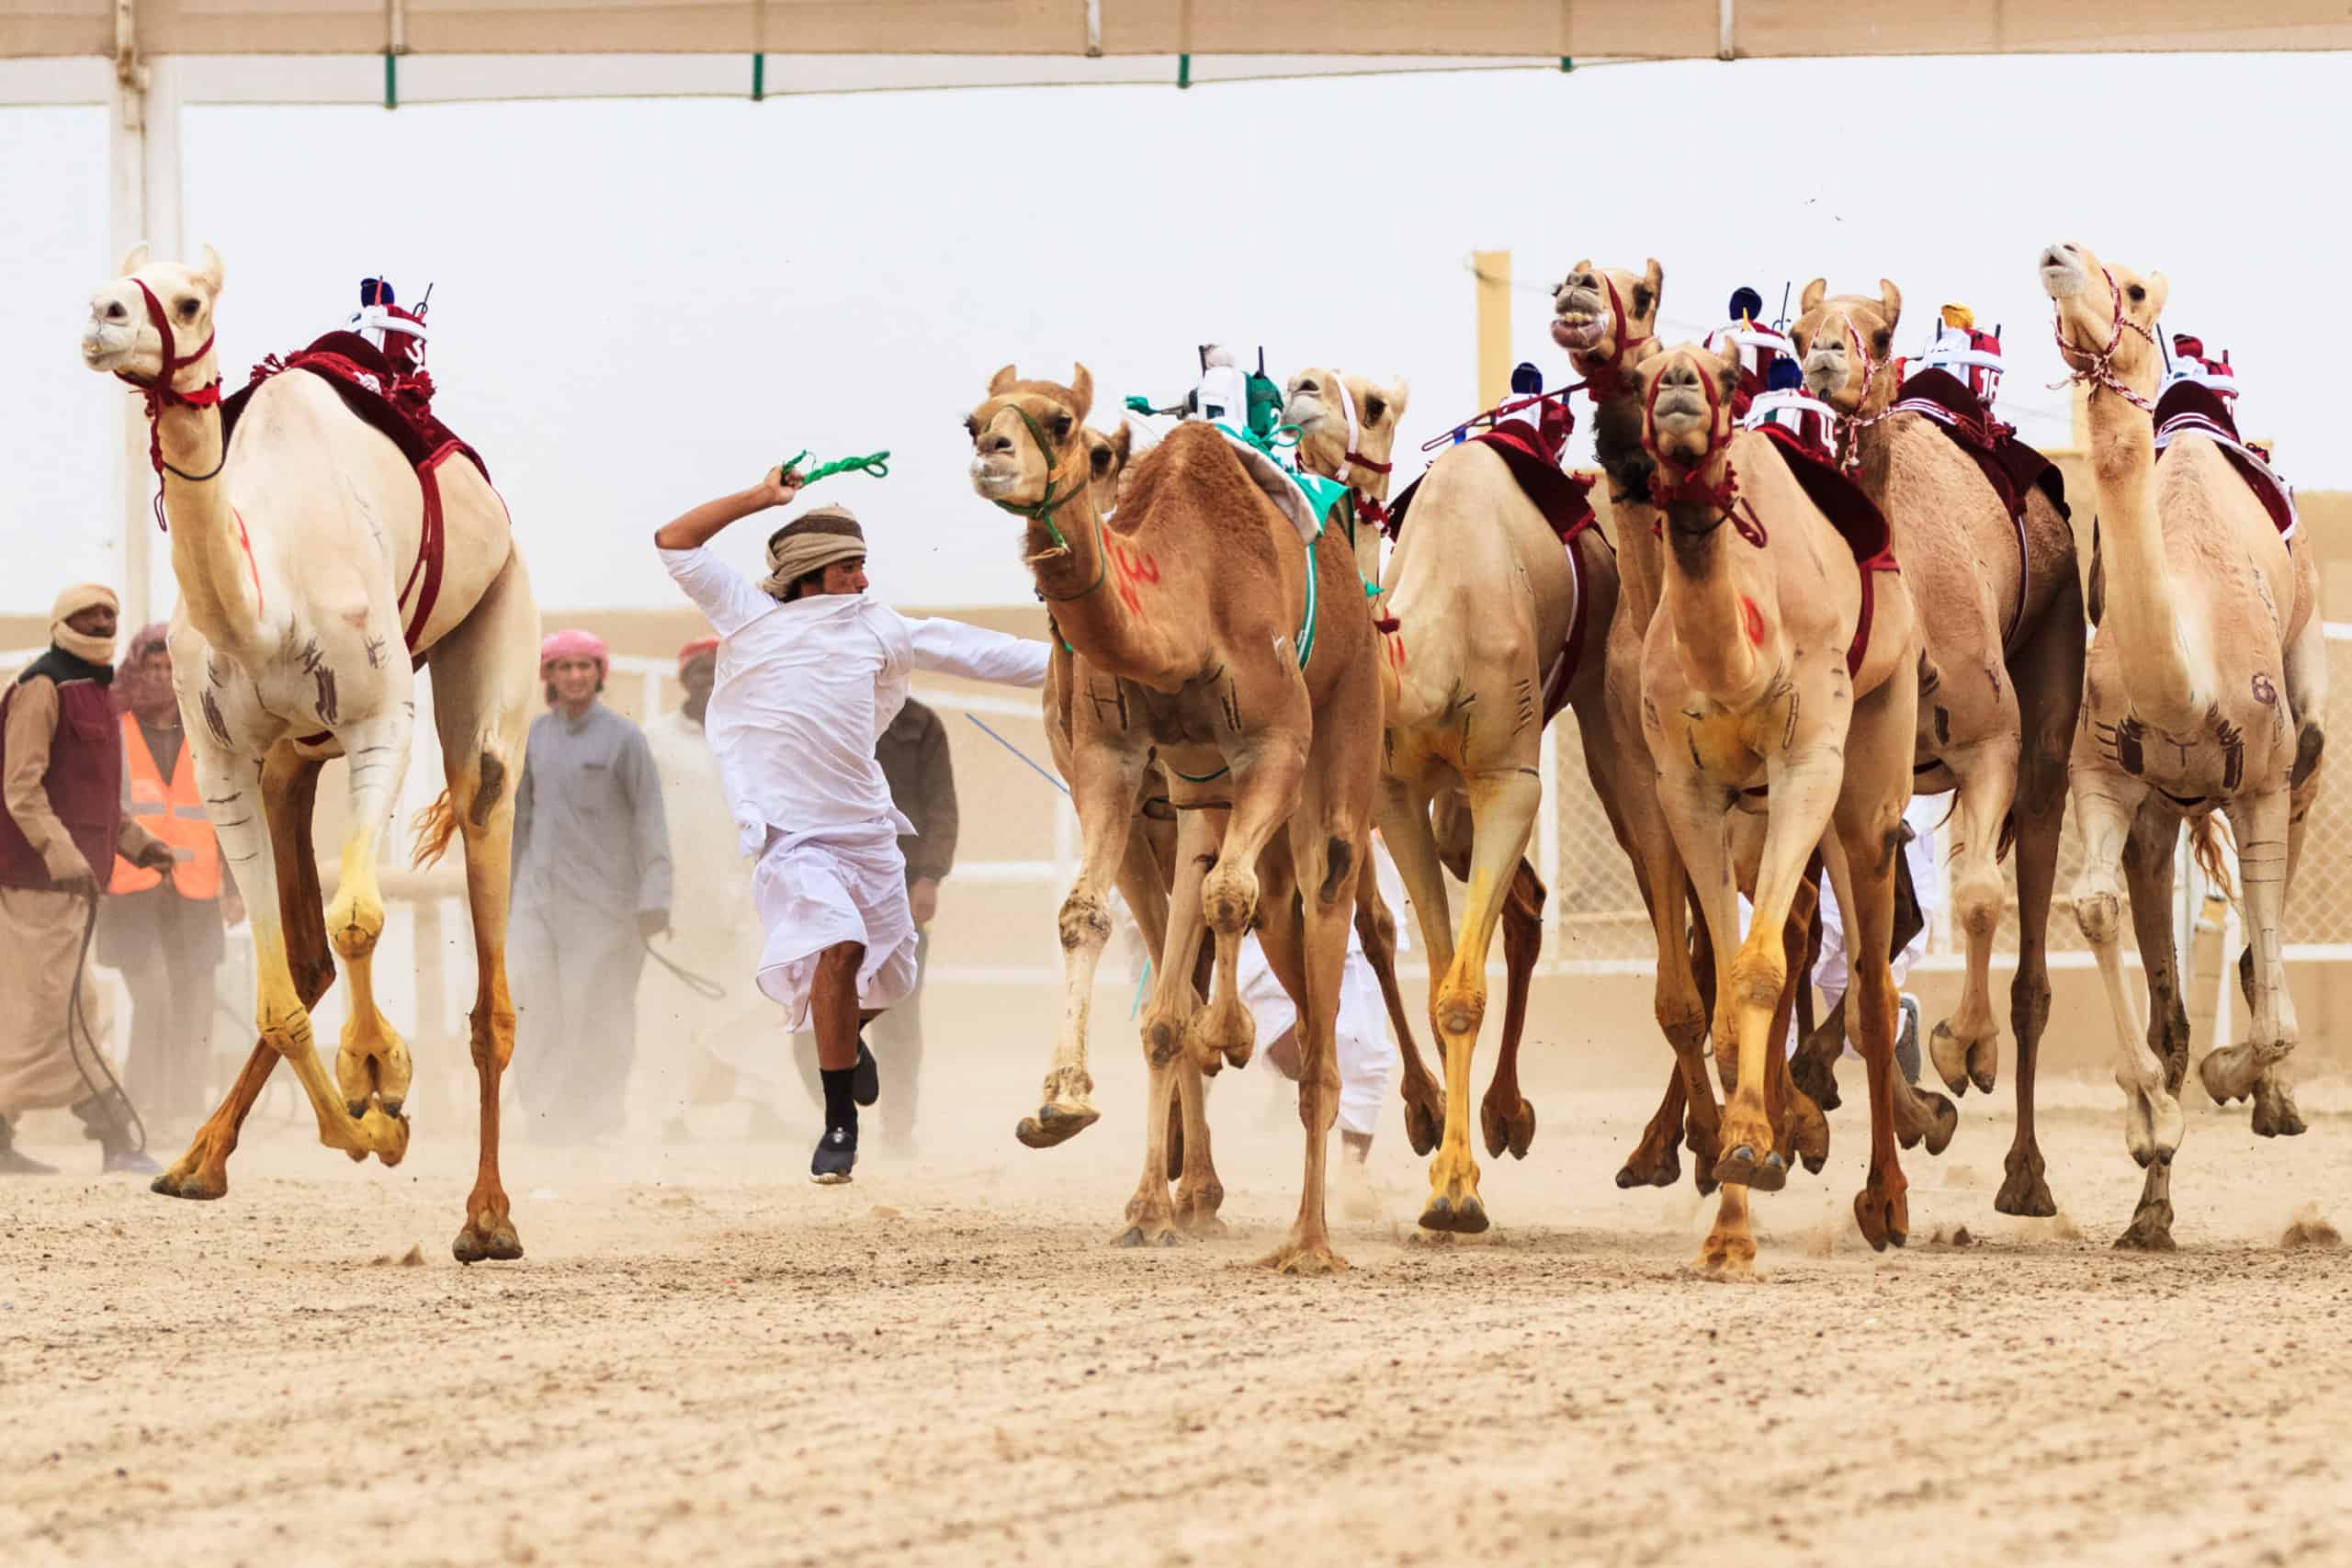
<point>1971,357</point>
<point>1759,347</point>
<point>2189,364</point>
<point>400,334</point>
<point>1786,403</point>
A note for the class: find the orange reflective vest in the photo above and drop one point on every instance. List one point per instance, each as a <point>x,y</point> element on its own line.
<point>174,814</point>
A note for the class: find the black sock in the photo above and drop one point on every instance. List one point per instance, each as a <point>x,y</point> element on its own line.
<point>840,1110</point>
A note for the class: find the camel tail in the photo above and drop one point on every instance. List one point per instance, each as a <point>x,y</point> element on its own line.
<point>2207,843</point>
<point>434,827</point>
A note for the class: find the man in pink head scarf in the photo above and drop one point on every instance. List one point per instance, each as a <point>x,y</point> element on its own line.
<point>592,885</point>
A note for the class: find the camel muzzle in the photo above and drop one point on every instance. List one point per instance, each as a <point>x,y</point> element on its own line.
<point>2062,272</point>
<point>1578,327</point>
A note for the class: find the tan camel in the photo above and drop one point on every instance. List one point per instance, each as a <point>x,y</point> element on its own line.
<point>1782,659</point>
<point>2207,681</point>
<point>2000,603</point>
<point>288,649</point>
<point>1211,644</point>
<point>1489,612</point>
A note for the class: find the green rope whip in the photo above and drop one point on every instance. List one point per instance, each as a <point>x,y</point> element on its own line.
<point>877,464</point>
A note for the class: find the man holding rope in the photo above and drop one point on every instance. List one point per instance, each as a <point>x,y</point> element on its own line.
<point>810,673</point>
<point>61,773</point>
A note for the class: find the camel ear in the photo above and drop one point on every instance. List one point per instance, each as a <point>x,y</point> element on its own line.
<point>1727,360</point>
<point>1122,442</point>
<point>2158,289</point>
<point>1890,299</point>
<point>1654,276</point>
<point>1399,394</point>
<point>134,258</point>
<point>212,273</point>
<point>1815,293</point>
<point>1082,387</point>
<point>1001,382</point>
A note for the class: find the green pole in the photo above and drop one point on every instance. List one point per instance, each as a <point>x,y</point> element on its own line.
<point>1183,71</point>
<point>392,80</point>
<point>759,77</point>
<point>1566,65</point>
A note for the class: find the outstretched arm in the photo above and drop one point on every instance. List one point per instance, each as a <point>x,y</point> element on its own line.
<point>689,530</point>
<point>952,648</point>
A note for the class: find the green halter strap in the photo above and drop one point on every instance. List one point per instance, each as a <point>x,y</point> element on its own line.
<point>1043,510</point>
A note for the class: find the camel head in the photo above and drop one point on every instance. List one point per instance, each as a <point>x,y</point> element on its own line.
<point>1029,440</point>
<point>1844,342</point>
<point>1687,422</point>
<point>1107,466</point>
<point>2106,316</point>
<point>1607,318</point>
<point>1346,424</point>
<point>122,336</point>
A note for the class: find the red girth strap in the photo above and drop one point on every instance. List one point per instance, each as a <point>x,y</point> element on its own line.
<point>161,394</point>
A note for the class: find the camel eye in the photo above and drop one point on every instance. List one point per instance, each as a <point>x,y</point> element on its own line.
<point>187,309</point>
<point>1061,427</point>
<point>2138,294</point>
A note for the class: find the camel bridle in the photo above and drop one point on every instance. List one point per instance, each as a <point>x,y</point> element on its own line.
<point>2100,371</point>
<point>1607,377</point>
<point>161,394</point>
<point>1850,426</point>
<point>1042,510</point>
<point>1691,489</point>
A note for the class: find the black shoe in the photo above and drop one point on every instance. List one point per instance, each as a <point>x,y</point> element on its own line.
<point>836,1155</point>
<point>1906,1045</point>
<point>866,1086</point>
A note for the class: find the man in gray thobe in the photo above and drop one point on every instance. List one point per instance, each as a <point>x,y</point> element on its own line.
<point>592,885</point>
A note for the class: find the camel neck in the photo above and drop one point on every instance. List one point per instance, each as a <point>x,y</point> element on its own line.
<point>1094,594</point>
<point>2142,605</point>
<point>1717,627</point>
<point>212,557</point>
<point>1617,448</point>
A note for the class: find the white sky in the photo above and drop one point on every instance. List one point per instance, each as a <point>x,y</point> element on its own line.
<point>642,303</point>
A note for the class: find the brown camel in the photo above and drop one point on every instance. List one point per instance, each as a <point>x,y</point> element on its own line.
<point>291,544</point>
<point>1494,626</point>
<point>2206,685</point>
<point>1783,659</point>
<point>1211,643</point>
<point>2000,603</point>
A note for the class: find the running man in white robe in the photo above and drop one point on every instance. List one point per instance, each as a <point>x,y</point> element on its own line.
<point>810,671</point>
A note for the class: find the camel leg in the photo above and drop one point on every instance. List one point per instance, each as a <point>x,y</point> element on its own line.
<point>2104,809</point>
<point>1800,1130</point>
<point>2306,673</point>
<point>484,681</point>
<point>1688,1107</point>
<point>2231,1072</point>
<point>1265,790</point>
<point>1150,1213</point>
<point>1861,869</point>
<point>1505,1116</point>
<point>1405,826</point>
<point>238,795</point>
<point>1502,811</point>
<point>289,789</point>
<point>2148,885</point>
<point>1103,789</point>
<point>1965,1047</point>
<point>1376,925</point>
<point>1328,841</point>
<point>373,1068</point>
<point>1697,812</point>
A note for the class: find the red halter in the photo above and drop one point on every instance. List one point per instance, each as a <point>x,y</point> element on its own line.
<point>1606,379</point>
<point>1849,434</point>
<point>161,394</point>
<point>2102,370</point>
<point>1723,494</point>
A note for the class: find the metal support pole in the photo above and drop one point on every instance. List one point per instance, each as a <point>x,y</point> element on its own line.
<point>1492,269</point>
<point>127,168</point>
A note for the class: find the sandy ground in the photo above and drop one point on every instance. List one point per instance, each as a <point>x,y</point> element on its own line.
<point>704,1359</point>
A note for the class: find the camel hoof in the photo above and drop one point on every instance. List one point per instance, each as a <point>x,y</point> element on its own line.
<point>1055,1124</point>
<point>2025,1191</point>
<point>1424,1125</point>
<point>2226,1072</point>
<point>1202,1226</point>
<point>1507,1129</point>
<point>1816,1077</point>
<point>498,1243</point>
<point>1946,1123</point>
<point>1304,1261</point>
<point>1885,1222</point>
<point>1662,1171</point>
<point>2149,1231</point>
<point>1742,1168</point>
<point>1950,1057</point>
<point>2275,1115</point>
<point>1467,1217</point>
<point>1159,1233</point>
<point>192,1184</point>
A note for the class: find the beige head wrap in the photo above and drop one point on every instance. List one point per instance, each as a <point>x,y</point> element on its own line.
<point>816,538</point>
<point>72,602</point>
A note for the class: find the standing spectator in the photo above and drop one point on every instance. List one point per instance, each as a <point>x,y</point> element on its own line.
<point>724,1047</point>
<point>591,886</point>
<point>163,932</point>
<point>913,754</point>
<point>61,778</point>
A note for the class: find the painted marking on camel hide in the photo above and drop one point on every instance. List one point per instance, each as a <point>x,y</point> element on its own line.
<point>315,665</point>
<point>1751,621</point>
<point>1135,571</point>
<point>212,719</point>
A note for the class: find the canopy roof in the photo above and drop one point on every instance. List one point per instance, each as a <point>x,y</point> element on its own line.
<point>1468,30</point>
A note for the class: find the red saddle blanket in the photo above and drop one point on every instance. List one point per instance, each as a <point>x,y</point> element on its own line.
<point>1855,516</point>
<point>2189,409</point>
<point>2011,465</point>
<point>1564,498</point>
<point>400,407</point>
